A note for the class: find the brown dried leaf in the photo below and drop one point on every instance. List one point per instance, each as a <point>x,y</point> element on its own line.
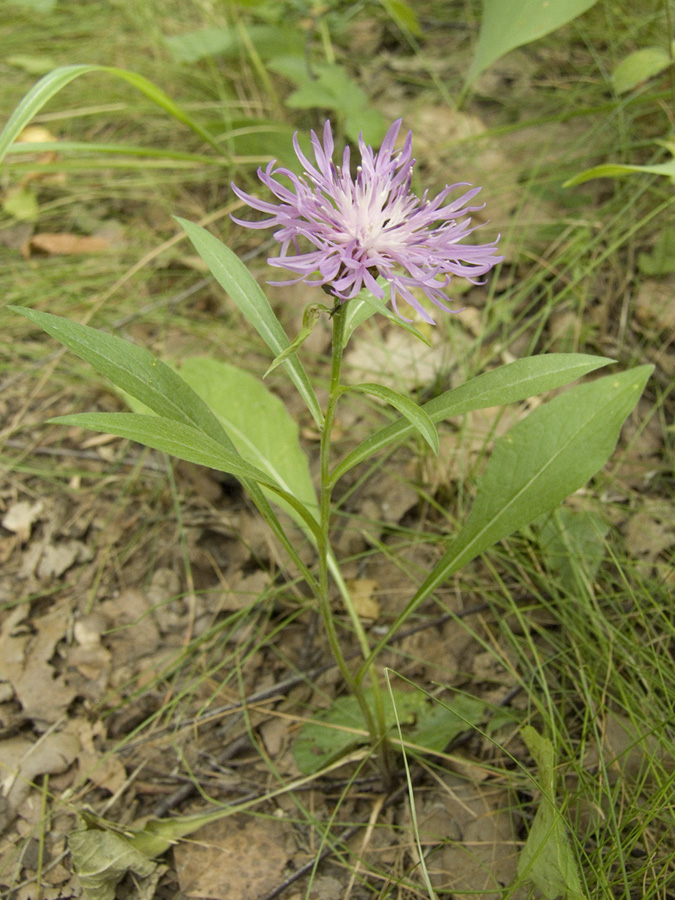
<point>237,857</point>
<point>24,663</point>
<point>63,244</point>
<point>20,518</point>
<point>22,761</point>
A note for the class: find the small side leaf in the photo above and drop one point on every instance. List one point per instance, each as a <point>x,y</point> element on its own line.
<point>508,384</point>
<point>309,319</point>
<point>415,414</point>
<point>233,276</point>
<point>365,305</point>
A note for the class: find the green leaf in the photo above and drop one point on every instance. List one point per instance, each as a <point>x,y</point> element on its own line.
<point>508,24</point>
<point>417,417</point>
<point>403,15</point>
<point>615,170</point>
<point>547,859</point>
<point>191,46</point>
<point>438,723</point>
<point>51,84</point>
<point>639,67</point>
<point>365,305</point>
<point>542,460</point>
<point>572,546</point>
<point>539,462</point>
<point>340,728</point>
<point>508,384</point>
<point>186,443</point>
<point>233,276</point>
<point>310,317</point>
<point>135,370</point>
<point>661,259</point>
<point>329,86</point>
<point>260,426</point>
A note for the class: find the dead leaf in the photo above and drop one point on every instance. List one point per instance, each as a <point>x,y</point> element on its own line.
<point>24,663</point>
<point>476,837</point>
<point>362,591</point>
<point>20,518</point>
<point>63,244</point>
<point>237,857</point>
<point>22,761</point>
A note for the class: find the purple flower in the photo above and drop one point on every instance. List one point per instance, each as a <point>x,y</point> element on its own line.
<point>372,225</point>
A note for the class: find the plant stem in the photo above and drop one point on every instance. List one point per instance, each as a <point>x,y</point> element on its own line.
<point>378,727</point>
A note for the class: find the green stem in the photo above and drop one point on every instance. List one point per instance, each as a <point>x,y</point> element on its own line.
<point>327,562</point>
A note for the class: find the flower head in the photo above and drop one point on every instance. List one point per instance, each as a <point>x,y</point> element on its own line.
<point>345,232</point>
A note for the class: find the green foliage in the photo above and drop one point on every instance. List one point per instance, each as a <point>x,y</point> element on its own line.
<point>661,259</point>
<point>414,414</point>
<point>257,421</point>
<point>340,728</point>
<point>572,544</point>
<point>540,461</point>
<point>547,859</point>
<point>516,381</point>
<point>535,466</point>
<point>202,43</point>
<point>507,24</point>
<point>329,86</point>
<point>234,277</point>
<point>639,67</point>
<point>51,84</point>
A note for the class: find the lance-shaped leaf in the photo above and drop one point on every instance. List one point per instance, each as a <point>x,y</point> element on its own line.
<point>539,462</point>
<point>135,370</point>
<point>233,276</point>
<point>157,386</point>
<point>414,414</point>
<point>516,381</point>
<point>52,83</point>
<point>186,443</point>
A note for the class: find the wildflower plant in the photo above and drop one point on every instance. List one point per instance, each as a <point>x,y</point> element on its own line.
<point>370,243</point>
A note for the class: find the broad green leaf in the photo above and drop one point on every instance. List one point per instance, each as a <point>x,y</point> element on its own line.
<point>338,729</point>
<point>51,84</point>
<point>508,384</point>
<point>187,443</point>
<point>158,388</point>
<point>233,276</point>
<point>438,722</point>
<point>417,417</point>
<point>616,170</point>
<point>428,724</point>
<point>539,462</point>
<point>547,859</point>
<point>260,426</point>
<point>507,24</point>
<point>639,67</point>
<point>135,370</point>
